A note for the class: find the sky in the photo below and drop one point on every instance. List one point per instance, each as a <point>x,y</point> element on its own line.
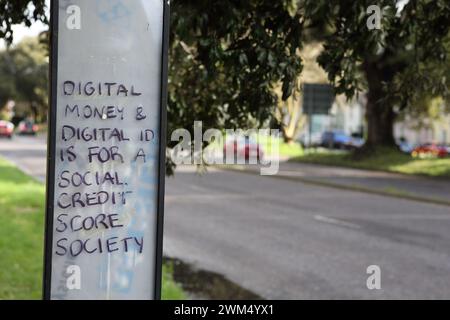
<point>401,4</point>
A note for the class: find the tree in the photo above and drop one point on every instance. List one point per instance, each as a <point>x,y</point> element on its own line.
<point>24,75</point>
<point>17,12</point>
<point>227,57</point>
<point>393,63</point>
<point>289,112</point>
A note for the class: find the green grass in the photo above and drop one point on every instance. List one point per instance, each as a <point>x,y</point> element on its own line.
<point>289,150</point>
<point>171,290</point>
<point>383,160</point>
<point>22,237</point>
<point>292,149</point>
<point>21,234</point>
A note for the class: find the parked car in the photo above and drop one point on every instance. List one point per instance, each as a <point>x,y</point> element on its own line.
<point>28,127</point>
<point>405,146</point>
<point>6,129</point>
<point>244,148</point>
<point>430,150</point>
<point>336,140</point>
<point>357,141</point>
<point>307,142</point>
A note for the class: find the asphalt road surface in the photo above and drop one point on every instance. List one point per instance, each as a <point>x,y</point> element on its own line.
<point>286,239</point>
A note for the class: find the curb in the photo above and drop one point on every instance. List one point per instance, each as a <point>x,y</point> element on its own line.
<point>418,175</point>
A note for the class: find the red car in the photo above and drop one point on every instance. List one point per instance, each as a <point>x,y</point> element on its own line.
<point>243,149</point>
<point>430,150</point>
<point>6,129</point>
<point>28,127</point>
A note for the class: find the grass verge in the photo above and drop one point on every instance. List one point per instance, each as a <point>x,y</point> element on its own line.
<point>290,150</point>
<point>22,238</point>
<point>383,159</point>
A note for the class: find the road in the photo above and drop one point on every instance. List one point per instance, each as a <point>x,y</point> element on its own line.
<point>287,239</point>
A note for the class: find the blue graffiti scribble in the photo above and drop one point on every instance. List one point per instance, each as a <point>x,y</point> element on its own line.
<point>124,279</point>
<point>113,12</point>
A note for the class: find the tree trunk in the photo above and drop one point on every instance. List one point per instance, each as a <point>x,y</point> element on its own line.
<point>380,122</point>
<point>380,114</point>
<point>289,111</point>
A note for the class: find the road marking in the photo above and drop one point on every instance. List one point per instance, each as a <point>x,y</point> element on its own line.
<point>336,222</point>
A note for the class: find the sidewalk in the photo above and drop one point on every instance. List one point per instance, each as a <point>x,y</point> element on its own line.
<point>28,153</point>
<point>418,188</point>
